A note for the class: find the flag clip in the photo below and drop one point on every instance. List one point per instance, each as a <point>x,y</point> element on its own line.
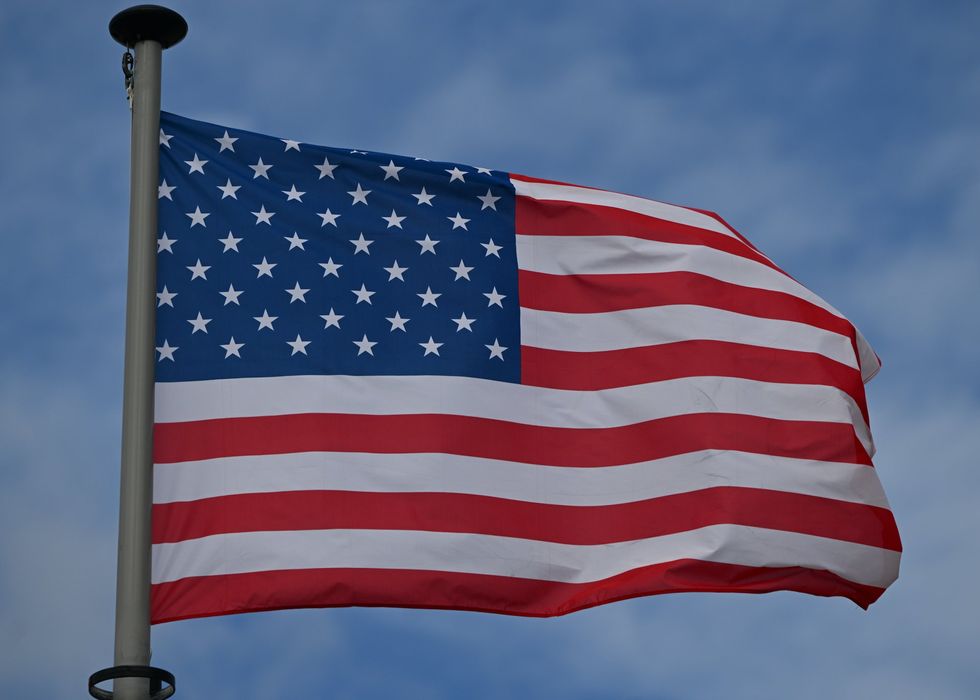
<point>127,69</point>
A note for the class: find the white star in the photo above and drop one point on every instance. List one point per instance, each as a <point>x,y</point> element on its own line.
<point>397,322</point>
<point>330,268</point>
<point>261,170</point>
<point>496,350</point>
<point>492,248</point>
<point>165,138</point>
<point>165,298</point>
<point>265,320</point>
<point>458,222</point>
<point>166,351</point>
<point>429,297</point>
<point>197,217</point>
<point>463,323</point>
<point>231,296</point>
<point>290,145</point>
<point>462,271</point>
<point>391,170</point>
<point>332,319</point>
<point>329,218</point>
<point>264,268</point>
<point>484,171</point>
<point>428,245</point>
<point>262,216</point>
<point>362,294</point>
<point>495,298</point>
<point>164,190</point>
<point>361,244</point>
<point>364,345</point>
<point>295,241</point>
<point>359,195</point>
<point>395,272</point>
<point>229,190</point>
<point>232,348</point>
<point>198,270</point>
<point>326,169</point>
<point>297,293</point>
<point>227,142</point>
<point>292,193</point>
<point>489,201</point>
<point>424,197</point>
<point>199,323</point>
<point>356,152</point>
<point>165,244</point>
<point>394,220</point>
<point>298,345</point>
<point>197,165</point>
<point>431,347</point>
<point>230,242</point>
<point>456,174</point>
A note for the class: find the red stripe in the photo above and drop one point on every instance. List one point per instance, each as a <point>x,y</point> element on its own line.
<point>320,588</point>
<point>592,371</point>
<point>515,442</point>
<point>604,293</point>
<point>487,515</point>
<point>713,215</point>
<point>717,217</point>
<point>537,217</point>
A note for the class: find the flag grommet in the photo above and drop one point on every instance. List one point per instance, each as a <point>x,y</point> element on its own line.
<point>157,677</point>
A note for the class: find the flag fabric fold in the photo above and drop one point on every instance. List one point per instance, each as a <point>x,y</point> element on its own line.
<point>386,381</point>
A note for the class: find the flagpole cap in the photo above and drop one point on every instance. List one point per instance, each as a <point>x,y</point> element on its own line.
<point>148,23</point>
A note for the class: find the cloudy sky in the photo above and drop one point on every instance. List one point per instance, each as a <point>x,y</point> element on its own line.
<point>842,138</point>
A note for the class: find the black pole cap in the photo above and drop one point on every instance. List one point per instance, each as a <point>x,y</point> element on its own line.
<point>148,22</point>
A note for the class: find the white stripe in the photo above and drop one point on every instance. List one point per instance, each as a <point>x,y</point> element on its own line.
<point>869,360</point>
<point>504,401</point>
<point>571,486</point>
<point>510,556</point>
<point>622,255</point>
<point>647,207</point>
<point>656,325</point>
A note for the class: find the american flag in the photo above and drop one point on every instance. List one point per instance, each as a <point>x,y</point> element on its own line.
<point>383,380</point>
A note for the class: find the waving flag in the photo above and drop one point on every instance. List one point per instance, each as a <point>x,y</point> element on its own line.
<point>388,381</point>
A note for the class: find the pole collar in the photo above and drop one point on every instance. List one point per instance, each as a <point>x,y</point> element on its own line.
<point>156,676</point>
<point>148,23</point>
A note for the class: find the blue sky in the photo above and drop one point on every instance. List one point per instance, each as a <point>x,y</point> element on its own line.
<point>842,138</point>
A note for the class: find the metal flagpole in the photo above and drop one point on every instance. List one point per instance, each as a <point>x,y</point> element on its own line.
<point>148,29</point>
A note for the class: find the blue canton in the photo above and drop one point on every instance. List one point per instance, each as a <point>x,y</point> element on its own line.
<point>277,257</point>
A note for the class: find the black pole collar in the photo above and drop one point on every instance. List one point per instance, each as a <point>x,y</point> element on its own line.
<point>148,22</point>
<point>156,676</point>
